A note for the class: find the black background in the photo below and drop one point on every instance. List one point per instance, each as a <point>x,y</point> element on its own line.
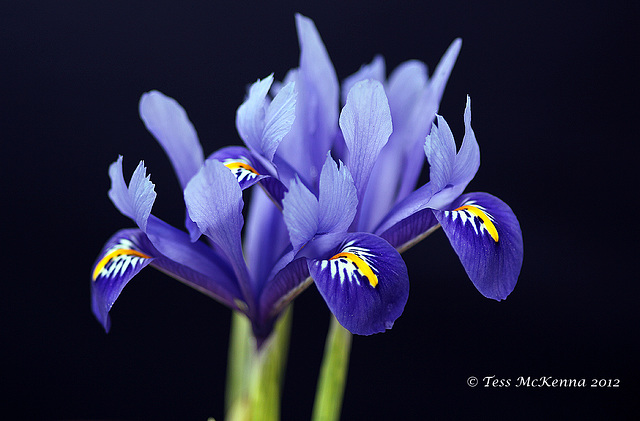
<point>554,104</point>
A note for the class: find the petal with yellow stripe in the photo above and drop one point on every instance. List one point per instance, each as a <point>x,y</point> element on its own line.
<point>486,235</point>
<point>123,257</point>
<point>364,281</point>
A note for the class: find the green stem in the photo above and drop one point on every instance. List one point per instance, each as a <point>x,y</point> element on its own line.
<point>333,374</point>
<point>254,377</point>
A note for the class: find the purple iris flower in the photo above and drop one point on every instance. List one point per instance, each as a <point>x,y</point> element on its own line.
<point>336,202</point>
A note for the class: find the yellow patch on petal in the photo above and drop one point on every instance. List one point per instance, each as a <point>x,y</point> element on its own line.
<point>363,267</point>
<point>487,223</point>
<point>117,253</point>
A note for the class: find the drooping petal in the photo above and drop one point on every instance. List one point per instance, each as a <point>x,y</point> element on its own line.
<point>301,214</point>
<point>170,125</point>
<point>282,288</point>
<point>122,257</point>
<point>366,125</point>
<point>198,257</point>
<point>374,70</point>
<point>128,251</point>
<point>136,200</point>
<point>214,201</point>
<point>364,281</point>
<point>338,200</point>
<point>241,163</point>
<point>411,230</point>
<point>250,169</point>
<point>486,235</point>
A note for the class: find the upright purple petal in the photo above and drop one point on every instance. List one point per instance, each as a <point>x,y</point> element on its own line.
<point>440,149</point>
<point>136,200</point>
<point>366,125</point>
<point>468,158</point>
<point>170,125</point>
<point>214,201</point>
<point>338,200</point>
<point>250,115</point>
<point>405,90</point>
<point>374,70</point>
<point>314,128</point>
<point>364,281</point>
<point>428,106</point>
<point>266,236</point>
<point>301,214</point>
<point>486,235</point>
<point>278,120</point>
<point>263,123</point>
<point>449,172</point>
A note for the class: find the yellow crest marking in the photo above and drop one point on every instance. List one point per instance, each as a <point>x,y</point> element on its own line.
<point>486,221</point>
<point>115,253</point>
<point>363,267</point>
<point>237,164</point>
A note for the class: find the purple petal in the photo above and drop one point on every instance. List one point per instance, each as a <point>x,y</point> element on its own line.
<point>122,257</point>
<point>407,84</point>
<point>406,88</point>
<point>241,163</point>
<point>415,202</point>
<point>440,149</point>
<point>251,114</point>
<point>301,214</point>
<point>214,201</point>
<point>449,172</point>
<point>338,200</point>
<point>266,236</point>
<point>314,128</point>
<point>278,120</point>
<point>411,230</point>
<point>250,169</point>
<point>374,70</point>
<point>136,200</point>
<point>279,291</point>
<point>468,158</point>
<point>169,124</point>
<point>364,283</point>
<point>366,125</point>
<point>262,123</point>
<point>486,235</point>
<point>427,108</point>
<point>128,251</point>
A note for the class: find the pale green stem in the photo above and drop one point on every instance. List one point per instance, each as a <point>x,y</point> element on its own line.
<point>254,378</point>
<point>333,374</point>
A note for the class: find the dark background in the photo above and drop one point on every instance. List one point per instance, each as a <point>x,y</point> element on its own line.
<point>554,105</point>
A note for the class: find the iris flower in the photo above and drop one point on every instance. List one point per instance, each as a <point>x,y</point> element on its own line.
<point>336,204</point>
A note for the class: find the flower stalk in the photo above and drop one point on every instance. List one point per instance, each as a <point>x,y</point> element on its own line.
<point>333,374</point>
<point>255,376</point>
